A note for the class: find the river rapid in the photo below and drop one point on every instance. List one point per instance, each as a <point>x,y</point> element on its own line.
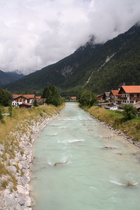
<point>80,164</point>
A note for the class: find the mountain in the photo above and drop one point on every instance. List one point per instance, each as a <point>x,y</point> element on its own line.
<point>8,77</point>
<point>98,67</point>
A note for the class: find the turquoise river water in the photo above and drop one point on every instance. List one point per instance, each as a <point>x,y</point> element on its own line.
<point>96,166</point>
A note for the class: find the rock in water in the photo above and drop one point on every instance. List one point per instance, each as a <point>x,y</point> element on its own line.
<point>129,184</point>
<point>58,164</point>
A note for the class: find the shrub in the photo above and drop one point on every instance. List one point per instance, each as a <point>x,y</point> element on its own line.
<point>87,98</point>
<point>130,112</point>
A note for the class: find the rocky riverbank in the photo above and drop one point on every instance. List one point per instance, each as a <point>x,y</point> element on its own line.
<point>19,197</point>
<point>115,121</point>
<point>120,133</point>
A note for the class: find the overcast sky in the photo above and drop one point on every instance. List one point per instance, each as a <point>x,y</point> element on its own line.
<point>36,33</point>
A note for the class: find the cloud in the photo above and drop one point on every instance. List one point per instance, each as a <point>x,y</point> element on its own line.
<point>36,33</point>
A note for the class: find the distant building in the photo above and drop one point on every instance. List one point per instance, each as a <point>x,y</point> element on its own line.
<point>106,96</point>
<point>130,94</point>
<point>100,98</point>
<point>23,99</point>
<point>40,100</point>
<point>127,94</point>
<point>114,96</point>
<point>73,98</point>
<point>18,100</point>
<point>27,106</point>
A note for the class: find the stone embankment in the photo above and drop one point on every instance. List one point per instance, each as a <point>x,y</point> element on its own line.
<point>119,133</point>
<point>18,198</point>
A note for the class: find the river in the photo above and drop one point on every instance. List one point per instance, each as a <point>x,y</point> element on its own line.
<point>96,166</point>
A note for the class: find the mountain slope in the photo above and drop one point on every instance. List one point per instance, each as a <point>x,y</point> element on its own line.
<point>122,67</point>
<point>8,77</point>
<point>96,67</point>
<point>59,72</point>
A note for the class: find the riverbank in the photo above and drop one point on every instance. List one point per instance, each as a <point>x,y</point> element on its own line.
<point>114,120</point>
<point>18,134</point>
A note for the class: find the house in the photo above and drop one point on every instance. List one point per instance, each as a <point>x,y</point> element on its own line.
<point>23,99</point>
<point>40,100</point>
<point>115,96</point>
<point>130,94</point>
<point>73,98</point>
<point>127,94</point>
<point>25,105</point>
<point>106,96</point>
<point>100,98</point>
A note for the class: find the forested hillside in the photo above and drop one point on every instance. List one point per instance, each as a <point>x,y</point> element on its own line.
<point>123,66</point>
<point>96,67</point>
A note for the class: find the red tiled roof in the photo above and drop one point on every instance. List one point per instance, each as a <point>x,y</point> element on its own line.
<point>115,92</point>
<point>16,96</point>
<point>38,97</point>
<point>29,96</point>
<point>73,97</point>
<point>25,96</point>
<point>131,89</point>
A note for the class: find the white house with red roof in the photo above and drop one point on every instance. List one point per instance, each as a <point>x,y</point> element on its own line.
<point>130,94</point>
<point>73,98</point>
<point>23,99</point>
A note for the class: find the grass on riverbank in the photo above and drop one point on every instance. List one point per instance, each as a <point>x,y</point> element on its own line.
<point>9,142</point>
<point>9,124</point>
<point>116,119</point>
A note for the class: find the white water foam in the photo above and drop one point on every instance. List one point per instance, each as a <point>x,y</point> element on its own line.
<point>62,127</point>
<point>75,140</point>
<point>122,184</point>
<point>71,141</point>
<point>53,134</point>
<point>91,187</point>
<point>117,183</point>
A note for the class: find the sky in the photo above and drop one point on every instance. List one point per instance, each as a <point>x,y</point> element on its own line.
<point>37,33</point>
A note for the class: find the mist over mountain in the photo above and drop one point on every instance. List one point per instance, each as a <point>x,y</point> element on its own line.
<point>38,33</point>
<point>8,77</point>
<point>98,67</point>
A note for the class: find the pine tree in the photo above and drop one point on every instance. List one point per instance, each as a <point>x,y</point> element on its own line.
<point>52,95</point>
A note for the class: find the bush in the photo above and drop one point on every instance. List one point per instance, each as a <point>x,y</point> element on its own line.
<point>87,98</point>
<point>130,112</point>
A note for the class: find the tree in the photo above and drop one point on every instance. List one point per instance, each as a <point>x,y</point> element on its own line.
<point>52,95</point>
<point>1,111</point>
<point>130,112</point>
<point>5,97</point>
<point>87,98</point>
